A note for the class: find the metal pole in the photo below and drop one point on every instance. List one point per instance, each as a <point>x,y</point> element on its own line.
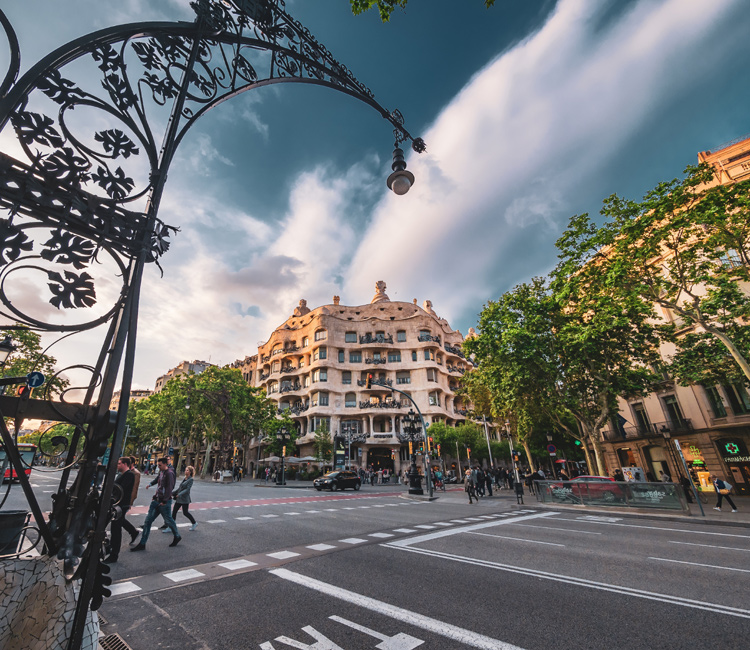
<point>687,474</point>
<point>487,435</point>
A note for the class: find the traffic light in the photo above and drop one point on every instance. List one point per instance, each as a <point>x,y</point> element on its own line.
<point>411,448</point>
<point>468,452</point>
<point>283,450</point>
<point>23,391</point>
<point>438,448</point>
<point>516,456</point>
<point>578,443</point>
<point>429,444</point>
<point>369,380</point>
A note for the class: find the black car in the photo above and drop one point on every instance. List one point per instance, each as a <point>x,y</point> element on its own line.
<point>338,481</point>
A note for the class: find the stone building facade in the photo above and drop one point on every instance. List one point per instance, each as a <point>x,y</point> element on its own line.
<point>184,368</point>
<point>711,423</point>
<point>315,366</point>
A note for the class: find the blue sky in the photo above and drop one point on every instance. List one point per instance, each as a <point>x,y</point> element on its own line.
<point>532,111</point>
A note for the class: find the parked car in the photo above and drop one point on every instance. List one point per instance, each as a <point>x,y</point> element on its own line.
<point>339,480</point>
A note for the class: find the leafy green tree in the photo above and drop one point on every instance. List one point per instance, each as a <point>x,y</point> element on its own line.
<point>272,427</point>
<point>386,7</point>
<point>686,247</point>
<point>323,445</point>
<point>29,357</point>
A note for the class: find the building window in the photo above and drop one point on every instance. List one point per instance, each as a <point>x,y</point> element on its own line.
<point>320,375</point>
<point>355,357</point>
<point>424,335</point>
<point>302,362</point>
<point>275,366</point>
<point>346,377</point>
<point>641,417</point>
<point>342,356</point>
<point>434,399</point>
<point>715,402</point>
<point>394,357</point>
<point>320,353</point>
<point>674,411</point>
<point>401,336</point>
<point>322,399</point>
<point>376,356</point>
<point>306,381</point>
<point>403,378</point>
<point>350,400</point>
<point>350,337</point>
<point>738,398</point>
<point>318,422</point>
<point>439,359</point>
<point>429,355</point>
<point>321,335</point>
<point>305,341</point>
<point>413,355</point>
<point>431,374</point>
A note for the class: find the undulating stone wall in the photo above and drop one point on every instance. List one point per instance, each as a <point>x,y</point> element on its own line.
<point>37,606</point>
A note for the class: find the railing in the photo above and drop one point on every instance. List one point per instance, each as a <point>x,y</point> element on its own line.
<point>287,369</point>
<point>292,388</point>
<point>656,496</point>
<point>263,377</point>
<point>656,430</point>
<point>375,361</point>
<point>457,369</point>
<point>424,338</point>
<point>381,382</point>
<point>380,405</point>
<point>454,350</point>
<point>378,338</point>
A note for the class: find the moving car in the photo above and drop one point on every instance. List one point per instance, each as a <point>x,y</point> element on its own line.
<point>339,480</point>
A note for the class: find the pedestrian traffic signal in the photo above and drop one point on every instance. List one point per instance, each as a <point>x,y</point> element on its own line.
<point>468,451</point>
<point>516,456</point>
<point>23,391</point>
<point>283,450</point>
<point>578,443</point>
<point>369,381</point>
<point>429,444</point>
<point>411,448</point>
<point>438,448</point>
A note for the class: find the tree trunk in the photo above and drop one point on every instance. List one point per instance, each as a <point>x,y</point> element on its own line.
<point>587,452</point>
<point>206,459</point>
<point>729,344</point>
<point>598,452</point>
<point>528,454</point>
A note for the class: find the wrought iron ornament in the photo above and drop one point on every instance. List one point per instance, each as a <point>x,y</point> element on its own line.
<point>79,215</point>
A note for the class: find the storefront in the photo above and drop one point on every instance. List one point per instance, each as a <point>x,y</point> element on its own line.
<point>733,451</point>
<point>696,463</point>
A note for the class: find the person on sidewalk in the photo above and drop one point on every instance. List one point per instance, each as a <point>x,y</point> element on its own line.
<point>124,480</point>
<point>722,490</point>
<point>160,505</point>
<point>182,497</point>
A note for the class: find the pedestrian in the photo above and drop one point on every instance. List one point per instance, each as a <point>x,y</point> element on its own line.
<point>480,481</point>
<point>687,487</point>
<point>268,473</point>
<point>160,505</point>
<point>488,481</point>
<point>619,476</point>
<point>125,480</point>
<point>380,476</point>
<point>723,488</point>
<point>182,497</point>
<point>235,473</point>
<point>470,478</point>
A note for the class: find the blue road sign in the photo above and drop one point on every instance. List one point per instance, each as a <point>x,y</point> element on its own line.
<point>34,379</point>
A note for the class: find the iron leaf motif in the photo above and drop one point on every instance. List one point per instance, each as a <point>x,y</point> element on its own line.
<point>117,185</point>
<point>108,58</point>
<point>14,242</point>
<point>73,291</point>
<point>148,55</point>
<point>58,89</point>
<point>66,248</point>
<point>66,166</point>
<point>119,91</point>
<point>34,127</point>
<point>115,142</point>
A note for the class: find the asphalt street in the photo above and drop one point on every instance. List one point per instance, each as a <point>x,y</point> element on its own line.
<point>283,568</point>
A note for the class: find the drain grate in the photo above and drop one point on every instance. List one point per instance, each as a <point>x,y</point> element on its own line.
<point>102,620</point>
<point>113,642</point>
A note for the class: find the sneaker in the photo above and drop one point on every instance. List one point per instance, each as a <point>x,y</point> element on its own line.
<point>175,541</point>
<point>734,510</point>
<point>195,525</point>
<point>165,530</point>
<point>138,547</point>
<point>163,527</point>
<point>719,509</point>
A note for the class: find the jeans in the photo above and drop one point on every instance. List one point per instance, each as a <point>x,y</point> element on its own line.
<point>154,510</point>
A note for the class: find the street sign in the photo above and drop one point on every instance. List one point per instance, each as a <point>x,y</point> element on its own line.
<point>34,379</point>
<point>551,449</point>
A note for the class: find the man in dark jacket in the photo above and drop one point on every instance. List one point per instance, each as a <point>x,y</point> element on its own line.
<point>160,505</point>
<point>126,481</point>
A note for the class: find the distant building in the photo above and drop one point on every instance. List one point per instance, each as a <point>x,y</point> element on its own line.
<point>136,394</point>
<point>315,366</point>
<point>185,368</point>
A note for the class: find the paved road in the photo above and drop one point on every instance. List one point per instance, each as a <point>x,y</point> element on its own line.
<point>276,569</point>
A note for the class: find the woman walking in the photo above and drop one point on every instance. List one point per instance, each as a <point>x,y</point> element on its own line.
<point>723,489</point>
<point>182,496</point>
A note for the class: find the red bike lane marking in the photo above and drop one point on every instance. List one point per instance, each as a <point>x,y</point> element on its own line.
<point>137,510</point>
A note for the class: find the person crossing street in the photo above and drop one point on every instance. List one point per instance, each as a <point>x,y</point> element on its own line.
<point>160,505</point>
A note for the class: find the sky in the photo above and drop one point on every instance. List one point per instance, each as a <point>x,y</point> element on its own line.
<point>532,112</point>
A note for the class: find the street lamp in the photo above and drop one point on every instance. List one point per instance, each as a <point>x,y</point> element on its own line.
<point>6,349</point>
<point>412,433</point>
<point>350,434</point>
<point>400,181</point>
<point>283,435</point>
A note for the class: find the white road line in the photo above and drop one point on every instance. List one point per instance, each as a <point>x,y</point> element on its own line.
<point>243,518</point>
<point>124,588</point>
<point>321,547</point>
<point>292,513</point>
<point>216,521</point>
<point>282,555</point>
<point>353,540</point>
<point>268,516</point>
<point>381,535</point>
<point>709,566</point>
<point>517,539</point>
<point>404,530</point>
<point>424,527</point>
<point>567,530</point>
<point>723,548</point>
<point>235,565</point>
<point>581,582</point>
<point>669,530</point>
<point>181,576</point>
<point>432,625</point>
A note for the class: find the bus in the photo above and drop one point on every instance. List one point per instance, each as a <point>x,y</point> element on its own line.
<point>26,451</point>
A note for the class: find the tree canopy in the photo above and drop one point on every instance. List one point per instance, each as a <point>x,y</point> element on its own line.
<point>29,357</point>
<point>386,7</point>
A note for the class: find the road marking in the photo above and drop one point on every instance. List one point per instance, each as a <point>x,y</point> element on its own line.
<point>579,582</point>
<point>424,527</point>
<point>381,535</point>
<point>309,512</point>
<point>709,566</point>
<point>124,588</point>
<point>404,530</point>
<point>282,555</point>
<point>321,547</point>
<point>400,641</point>
<point>181,576</point>
<point>216,521</point>
<point>292,513</point>
<point>460,521</point>
<point>269,516</point>
<point>234,565</point>
<point>517,539</point>
<point>443,523</point>
<point>669,530</point>
<point>243,518</point>
<point>567,530</point>
<point>723,548</point>
<point>432,625</point>
<point>353,540</point>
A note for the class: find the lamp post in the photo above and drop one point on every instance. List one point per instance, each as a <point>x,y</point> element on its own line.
<point>351,435</point>
<point>412,433</point>
<point>283,435</point>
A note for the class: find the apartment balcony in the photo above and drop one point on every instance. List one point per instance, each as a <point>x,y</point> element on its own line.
<point>381,382</point>
<point>454,350</point>
<point>376,361</point>
<point>291,388</point>
<point>377,338</point>
<point>426,338</point>
<point>263,377</point>
<point>381,405</point>
<point>656,430</point>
